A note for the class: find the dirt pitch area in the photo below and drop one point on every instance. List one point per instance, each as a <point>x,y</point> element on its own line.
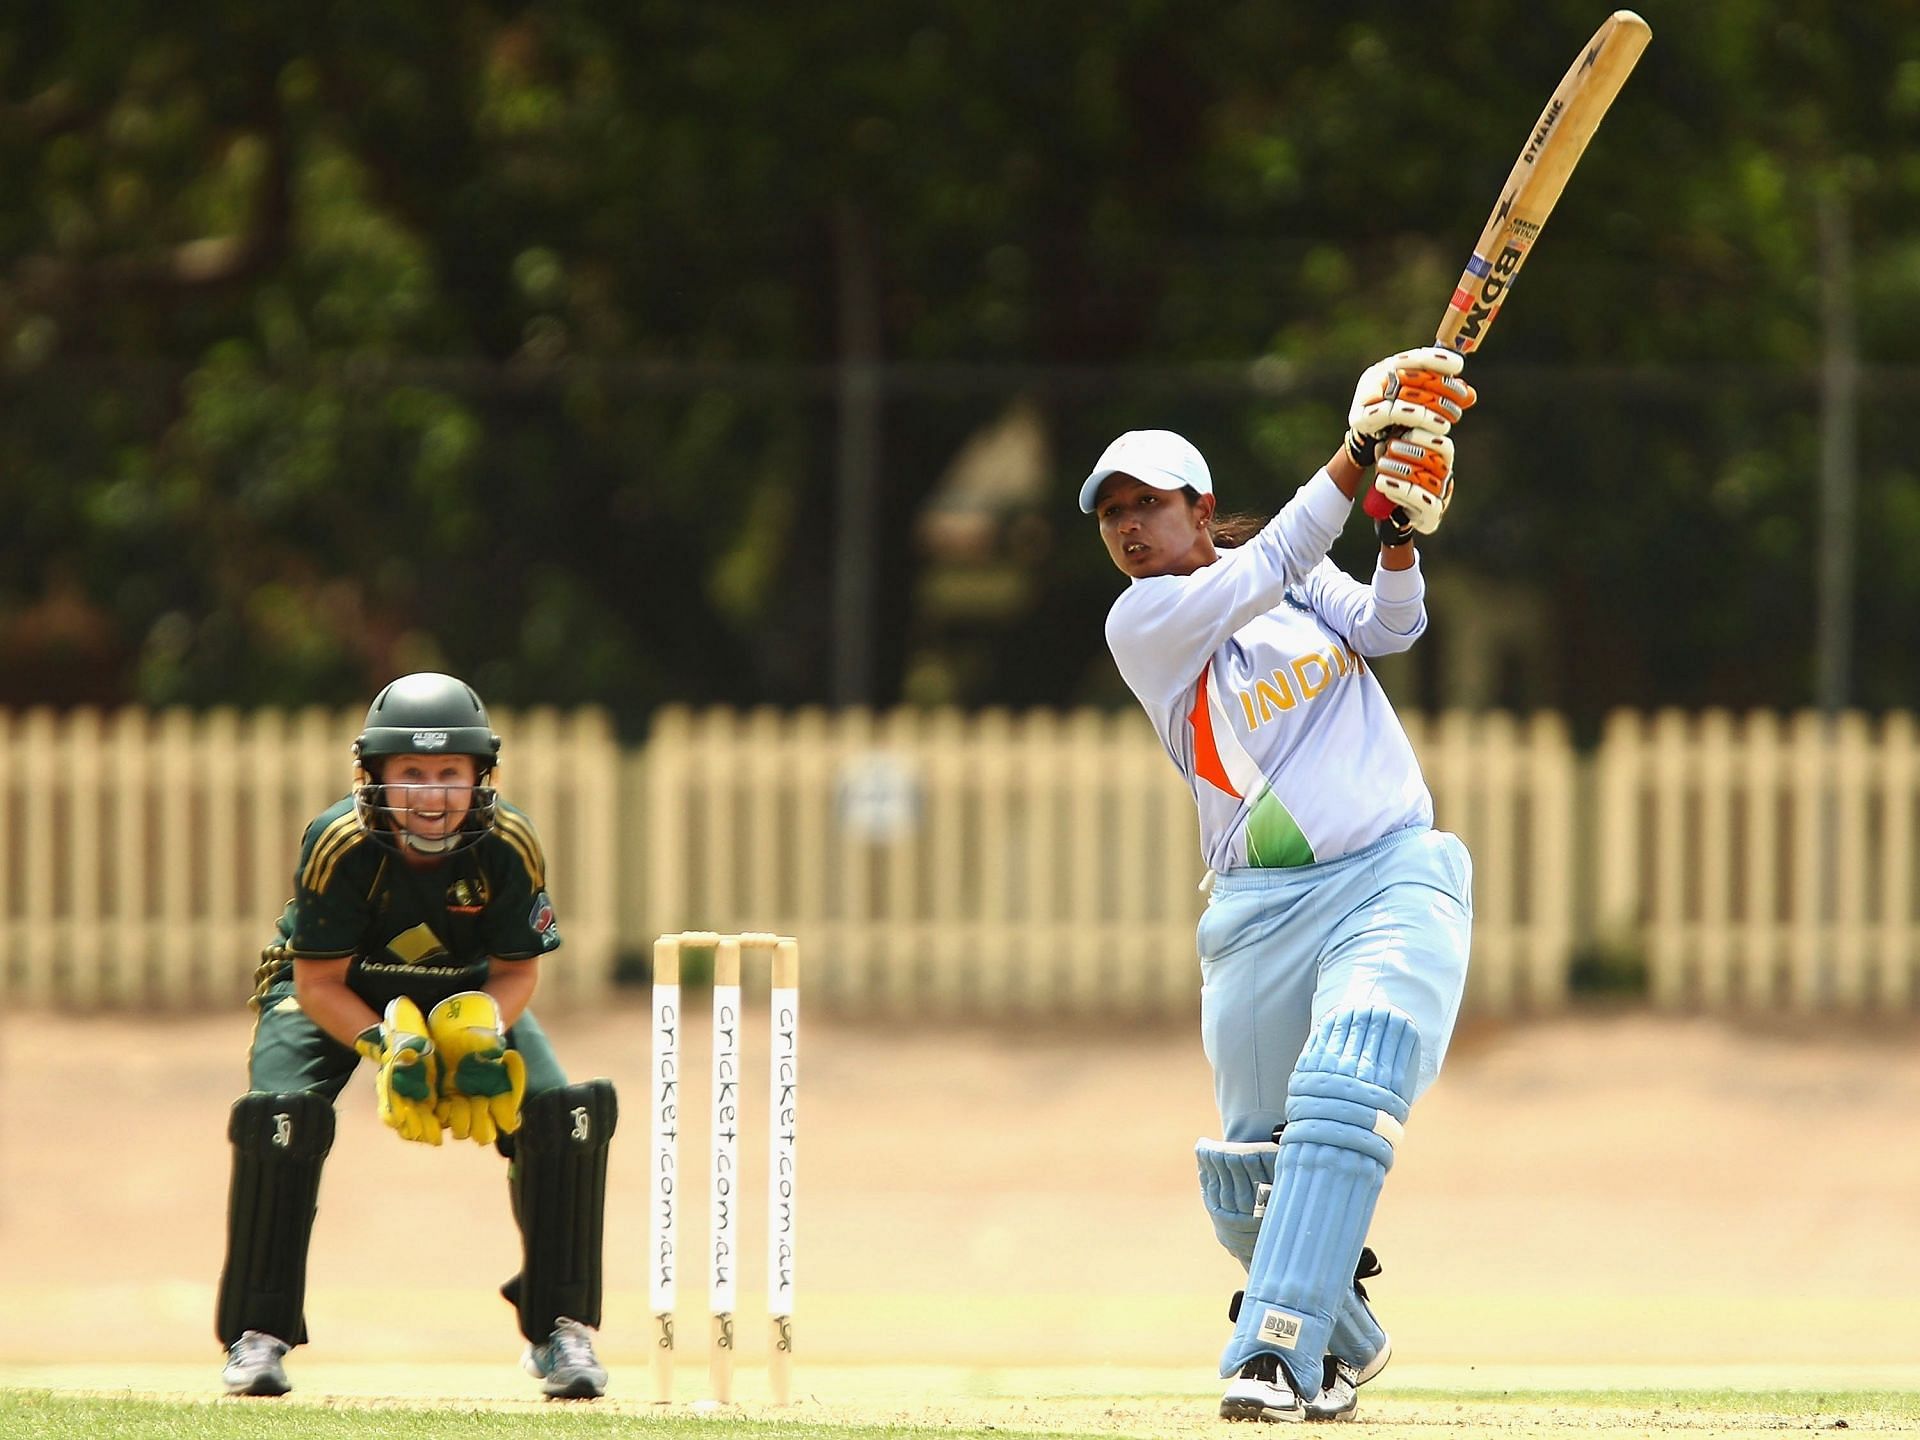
<point>997,1218</point>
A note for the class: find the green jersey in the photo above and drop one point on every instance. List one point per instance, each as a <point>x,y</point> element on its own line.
<point>425,932</point>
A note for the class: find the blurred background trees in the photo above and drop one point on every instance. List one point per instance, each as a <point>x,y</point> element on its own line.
<point>753,353</point>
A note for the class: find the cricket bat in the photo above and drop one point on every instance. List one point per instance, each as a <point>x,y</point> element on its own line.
<point>1553,148</point>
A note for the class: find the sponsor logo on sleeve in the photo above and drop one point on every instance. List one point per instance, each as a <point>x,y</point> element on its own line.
<point>544,922</point>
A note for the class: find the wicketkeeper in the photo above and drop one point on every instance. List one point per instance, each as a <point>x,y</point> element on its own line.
<point>414,938</point>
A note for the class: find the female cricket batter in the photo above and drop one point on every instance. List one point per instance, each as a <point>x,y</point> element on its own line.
<point>1333,950</point>
<point>414,938</point>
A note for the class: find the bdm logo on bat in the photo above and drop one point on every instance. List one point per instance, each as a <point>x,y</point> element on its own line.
<point>1280,1328</point>
<point>1492,287</point>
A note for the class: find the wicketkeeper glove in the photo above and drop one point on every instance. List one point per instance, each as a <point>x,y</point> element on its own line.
<point>481,1081</point>
<point>1413,390</point>
<point>407,1083</point>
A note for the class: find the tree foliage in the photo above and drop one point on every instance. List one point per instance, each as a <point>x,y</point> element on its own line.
<point>343,340</point>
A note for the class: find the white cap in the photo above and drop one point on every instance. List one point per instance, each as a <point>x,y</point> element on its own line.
<point>1158,458</point>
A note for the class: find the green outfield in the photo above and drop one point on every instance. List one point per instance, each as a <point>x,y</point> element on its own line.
<point>424,1403</point>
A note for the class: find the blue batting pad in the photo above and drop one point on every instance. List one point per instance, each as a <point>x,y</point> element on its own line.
<point>1235,1178</point>
<point>1357,1337</point>
<point>1346,1103</point>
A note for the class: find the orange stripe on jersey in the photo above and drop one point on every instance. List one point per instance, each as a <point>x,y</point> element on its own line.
<point>1206,751</point>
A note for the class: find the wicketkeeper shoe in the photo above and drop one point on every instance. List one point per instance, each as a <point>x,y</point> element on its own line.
<point>253,1365</point>
<point>1261,1391</point>
<point>565,1365</point>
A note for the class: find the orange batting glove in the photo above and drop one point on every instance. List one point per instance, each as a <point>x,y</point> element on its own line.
<point>1413,390</point>
<point>1415,473</point>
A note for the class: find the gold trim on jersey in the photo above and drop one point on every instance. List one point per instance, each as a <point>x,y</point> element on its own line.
<point>277,956</point>
<point>518,833</point>
<point>271,959</point>
<point>335,841</point>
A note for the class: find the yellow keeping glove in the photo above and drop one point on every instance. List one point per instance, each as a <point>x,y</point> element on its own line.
<point>481,1081</point>
<point>406,1086</point>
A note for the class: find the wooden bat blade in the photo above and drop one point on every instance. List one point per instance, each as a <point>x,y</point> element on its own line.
<point>1553,147</point>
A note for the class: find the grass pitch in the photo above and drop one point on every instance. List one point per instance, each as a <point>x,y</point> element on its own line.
<point>953,1405</point>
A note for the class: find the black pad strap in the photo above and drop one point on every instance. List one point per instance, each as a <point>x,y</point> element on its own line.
<point>559,1181</point>
<point>279,1144</point>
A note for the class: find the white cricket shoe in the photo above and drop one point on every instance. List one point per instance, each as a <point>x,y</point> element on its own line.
<point>566,1365</point>
<point>1337,1400</point>
<point>253,1365</point>
<point>1261,1391</point>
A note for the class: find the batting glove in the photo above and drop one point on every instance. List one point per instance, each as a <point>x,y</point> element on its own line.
<point>1415,474</point>
<point>406,1085</point>
<point>1413,390</point>
<point>482,1082</point>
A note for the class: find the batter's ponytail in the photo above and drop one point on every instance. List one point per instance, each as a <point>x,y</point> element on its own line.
<point>1230,531</point>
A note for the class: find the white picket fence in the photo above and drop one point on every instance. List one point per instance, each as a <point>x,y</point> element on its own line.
<point>978,864</point>
<point>1029,864</point>
<point>1759,861</point>
<point>145,857</point>
<point>937,863</point>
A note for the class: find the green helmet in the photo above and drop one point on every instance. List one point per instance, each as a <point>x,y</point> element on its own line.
<point>428,714</point>
<point>423,714</point>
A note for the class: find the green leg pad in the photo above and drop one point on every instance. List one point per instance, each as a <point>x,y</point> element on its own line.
<point>279,1144</point>
<point>559,1181</point>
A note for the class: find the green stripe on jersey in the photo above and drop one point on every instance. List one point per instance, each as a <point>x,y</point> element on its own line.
<point>1274,839</point>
